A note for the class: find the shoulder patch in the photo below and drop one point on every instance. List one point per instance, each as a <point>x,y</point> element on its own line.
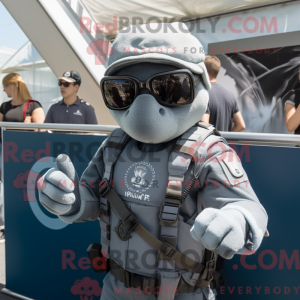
<point>234,169</point>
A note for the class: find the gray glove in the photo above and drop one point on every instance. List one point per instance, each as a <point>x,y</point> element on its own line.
<point>220,230</point>
<point>60,196</point>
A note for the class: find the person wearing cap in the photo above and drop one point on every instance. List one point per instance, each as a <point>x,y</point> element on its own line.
<point>71,109</point>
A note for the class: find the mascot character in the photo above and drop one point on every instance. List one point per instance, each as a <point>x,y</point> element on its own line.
<point>172,197</point>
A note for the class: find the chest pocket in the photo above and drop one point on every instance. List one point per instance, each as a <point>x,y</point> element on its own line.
<point>233,169</point>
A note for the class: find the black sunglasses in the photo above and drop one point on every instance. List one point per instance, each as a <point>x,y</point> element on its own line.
<point>174,88</point>
<point>65,84</point>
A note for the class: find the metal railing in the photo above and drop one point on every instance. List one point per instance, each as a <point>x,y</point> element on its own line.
<point>236,137</point>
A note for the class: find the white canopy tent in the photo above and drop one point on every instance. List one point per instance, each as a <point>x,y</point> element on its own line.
<point>106,12</point>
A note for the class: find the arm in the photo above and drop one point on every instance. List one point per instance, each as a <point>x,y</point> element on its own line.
<point>205,118</point>
<point>1,112</point>
<point>238,122</point>
<point>38,115</point>
<point>234,217</point>
<point>292,117</point>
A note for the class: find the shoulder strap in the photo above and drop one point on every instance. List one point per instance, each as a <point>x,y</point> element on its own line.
<point>25,108</point>
<point>115,143</point>
<point>183,153</point>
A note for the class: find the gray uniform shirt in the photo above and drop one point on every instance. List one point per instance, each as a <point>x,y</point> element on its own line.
<point>80,112</point>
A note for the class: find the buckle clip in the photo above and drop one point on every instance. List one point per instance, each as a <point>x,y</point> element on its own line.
<point>130,223</point>
<point>168,251</point>
<point>210,265</point>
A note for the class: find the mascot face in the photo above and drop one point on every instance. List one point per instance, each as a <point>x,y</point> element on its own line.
<point>156,109</point>
<point>147,120</point>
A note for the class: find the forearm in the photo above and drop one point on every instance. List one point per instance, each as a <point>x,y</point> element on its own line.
<point>236,128</point>
<point>293,121</point>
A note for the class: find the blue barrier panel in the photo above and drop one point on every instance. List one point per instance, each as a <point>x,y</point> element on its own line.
<point>46,258</point>
<point>274,271</point>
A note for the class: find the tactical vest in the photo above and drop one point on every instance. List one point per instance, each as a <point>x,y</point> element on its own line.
<point>146,213</point>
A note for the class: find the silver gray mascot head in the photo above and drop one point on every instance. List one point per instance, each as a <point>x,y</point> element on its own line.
<point>139,53</point>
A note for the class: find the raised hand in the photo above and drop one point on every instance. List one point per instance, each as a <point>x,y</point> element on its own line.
<point>60,195</point>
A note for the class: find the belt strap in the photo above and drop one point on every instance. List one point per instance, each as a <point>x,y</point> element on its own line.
<point>146,284</point>
<point>131,224</point>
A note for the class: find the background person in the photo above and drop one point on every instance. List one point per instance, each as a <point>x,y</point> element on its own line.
<point>71,109</point>
<point>21,108</point>
<point>292,110</point>
<point>222,110</point>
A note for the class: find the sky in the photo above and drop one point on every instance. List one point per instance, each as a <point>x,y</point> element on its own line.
<point>11,35</point>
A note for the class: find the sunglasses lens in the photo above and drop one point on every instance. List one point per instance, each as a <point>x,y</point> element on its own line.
<point>119,93</point>
<point>65,84</point>
<point>173,89</point>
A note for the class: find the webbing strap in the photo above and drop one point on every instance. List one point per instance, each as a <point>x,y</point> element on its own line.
<point>131,224</point>
<point>119,146</point>
<point>114,145</point>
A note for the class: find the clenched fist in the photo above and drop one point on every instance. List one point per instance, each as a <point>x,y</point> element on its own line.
<point>220,230</point>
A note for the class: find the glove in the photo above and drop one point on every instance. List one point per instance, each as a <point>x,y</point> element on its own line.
<point>60,192</point>
<point>223,231</point>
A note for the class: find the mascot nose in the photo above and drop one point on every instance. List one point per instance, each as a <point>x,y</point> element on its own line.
<point>147,118</point>
<point>145,91</point>
<point>146,105</point>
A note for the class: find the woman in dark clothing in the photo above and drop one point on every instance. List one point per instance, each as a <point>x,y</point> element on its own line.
<point>21,108</point>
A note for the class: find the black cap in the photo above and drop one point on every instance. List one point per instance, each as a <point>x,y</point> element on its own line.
<point>71,76</point>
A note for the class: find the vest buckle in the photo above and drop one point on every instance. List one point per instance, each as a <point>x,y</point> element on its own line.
<point>168,251</point>
<point>169,213</point>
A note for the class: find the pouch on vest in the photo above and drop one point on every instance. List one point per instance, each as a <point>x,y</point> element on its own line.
<point>98,261</point>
